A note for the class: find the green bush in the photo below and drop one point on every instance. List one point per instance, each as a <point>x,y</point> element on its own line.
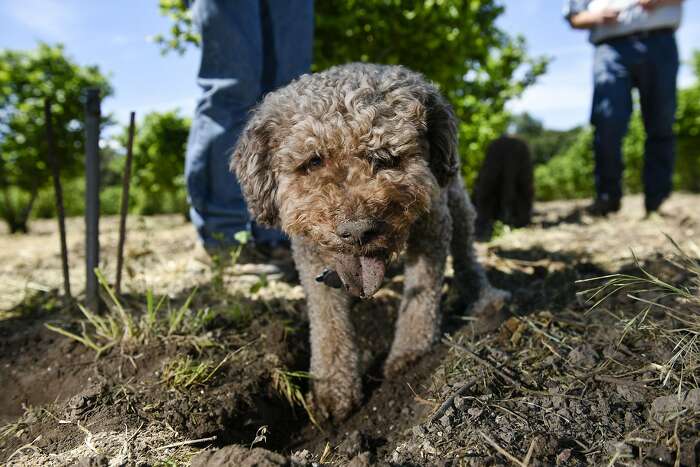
<point>74,200</point>
<point>568,174</point>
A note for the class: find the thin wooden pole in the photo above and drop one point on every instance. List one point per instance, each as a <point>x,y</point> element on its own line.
<point>92,197</point>
<point>55,166</point>
<point>126,183</point>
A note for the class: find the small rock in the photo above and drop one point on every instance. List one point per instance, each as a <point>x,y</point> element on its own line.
<point>428,448</point>
<point>236,455</point>
<point>665,407</point>
<point>475,411</point>
<point>661,455</point>
<point>506,436</point>
<point>631,421</point>
<point>563,456</point>
<point>301,458</point>
<point>584,356</point>
<point>97,461</point>
<point>692,399</point>
<point>630,394</point>
<point>361,460</point>
<point>354,444</point>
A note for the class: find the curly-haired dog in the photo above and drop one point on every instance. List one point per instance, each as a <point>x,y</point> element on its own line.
<point>504,187</point>
<point>357,164</point>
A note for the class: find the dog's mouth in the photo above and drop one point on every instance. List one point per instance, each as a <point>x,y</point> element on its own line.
<point>361,276</point>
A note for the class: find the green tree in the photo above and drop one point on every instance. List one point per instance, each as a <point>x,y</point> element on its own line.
<point>544,143</point>
<point>455,43</point>
<point>26,80</point>
<point>159,160</point>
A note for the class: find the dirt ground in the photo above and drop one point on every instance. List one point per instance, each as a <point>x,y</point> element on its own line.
<point>216,375</point>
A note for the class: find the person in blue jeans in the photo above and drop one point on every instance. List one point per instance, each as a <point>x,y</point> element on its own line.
<point>248,48</point>
<point>635,46</point>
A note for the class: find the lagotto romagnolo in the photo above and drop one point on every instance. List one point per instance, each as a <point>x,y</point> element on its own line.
<point>358,164</point>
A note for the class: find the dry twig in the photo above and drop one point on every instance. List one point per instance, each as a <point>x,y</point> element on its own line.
<point>186,443</point>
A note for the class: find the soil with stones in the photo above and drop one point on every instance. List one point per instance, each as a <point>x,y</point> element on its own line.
<point>216,376</point>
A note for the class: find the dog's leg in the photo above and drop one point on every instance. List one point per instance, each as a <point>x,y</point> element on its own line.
<point>336,381</point>
<point>418,322</point>
<point>470,282</point>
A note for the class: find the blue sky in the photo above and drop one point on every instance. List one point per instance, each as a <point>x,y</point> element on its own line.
<point>114,35</point>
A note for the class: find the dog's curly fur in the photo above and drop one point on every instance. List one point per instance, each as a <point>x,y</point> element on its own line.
<point>363,143</point>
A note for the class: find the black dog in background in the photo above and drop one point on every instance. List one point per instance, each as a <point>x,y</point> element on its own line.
<point>504,187</point>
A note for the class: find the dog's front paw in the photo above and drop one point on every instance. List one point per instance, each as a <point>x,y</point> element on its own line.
<point>397,362</point>
<point>491,300</point>
<point>490,309</point>
<point>334,402</point>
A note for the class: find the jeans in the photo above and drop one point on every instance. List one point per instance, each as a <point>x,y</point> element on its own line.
<point>648,62</point>
<point>248,48</point>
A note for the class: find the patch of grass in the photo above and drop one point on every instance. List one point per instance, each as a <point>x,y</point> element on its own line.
<point>668,310</point>
<point>100,332</point>
<point>184,372</point>
<point>238,315</point>
<point>286,384</point>
<point>500,229</point>
<point>18,427</point>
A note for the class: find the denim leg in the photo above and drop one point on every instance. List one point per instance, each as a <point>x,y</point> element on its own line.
<point>229,75</point>
<point>612,108</point>
<point>287,51</point>
<point>656,82</point>
<point>290,25</point>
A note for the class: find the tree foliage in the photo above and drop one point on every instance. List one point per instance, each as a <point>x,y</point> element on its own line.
<point>688,132</point>
<point>544,143</point>
<point>455,43</point>
<point>181,31</point>
<point>26,80</point>
<point>569,174</point>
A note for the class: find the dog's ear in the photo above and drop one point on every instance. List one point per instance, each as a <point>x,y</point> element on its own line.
<point>251,162</point>
<point>442,137</point>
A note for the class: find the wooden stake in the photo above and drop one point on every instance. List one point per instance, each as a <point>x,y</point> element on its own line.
<point>55,166</point>
<point>126,183</point>
<point>92,197</point>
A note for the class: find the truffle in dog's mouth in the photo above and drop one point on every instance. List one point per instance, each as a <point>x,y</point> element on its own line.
<point>361,276</point>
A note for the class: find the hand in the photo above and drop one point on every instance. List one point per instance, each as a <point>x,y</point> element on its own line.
<point>590,19</point>
<point>610,15</point>
<point>648,4</point>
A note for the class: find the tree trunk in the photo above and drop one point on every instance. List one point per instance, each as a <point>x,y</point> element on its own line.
<point>17,223</point>
<point>7,212</point>
<point>24,216</point>
<point>17,227</point>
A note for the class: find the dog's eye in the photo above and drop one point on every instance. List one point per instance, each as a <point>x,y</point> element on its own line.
<point>315,162</point>
<point>384,161</point>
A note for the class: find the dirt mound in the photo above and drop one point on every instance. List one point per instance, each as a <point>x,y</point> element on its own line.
<point>218,377</point>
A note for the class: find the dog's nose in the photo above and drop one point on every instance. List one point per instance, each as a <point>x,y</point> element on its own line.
<point>359,232</point>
